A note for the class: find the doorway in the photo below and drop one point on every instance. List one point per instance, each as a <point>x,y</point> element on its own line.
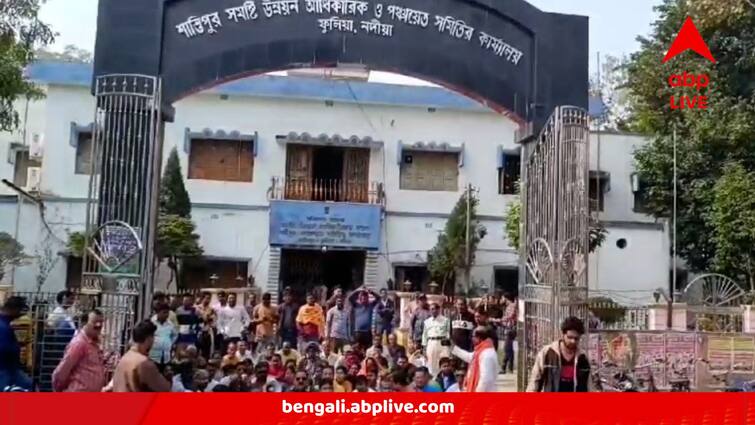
<point>304,270</point>
<point>418,275</point>
<point>506,280</point>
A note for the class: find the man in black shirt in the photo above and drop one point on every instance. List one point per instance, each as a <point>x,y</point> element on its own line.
<point>462,325</point>
<point>287,319</point>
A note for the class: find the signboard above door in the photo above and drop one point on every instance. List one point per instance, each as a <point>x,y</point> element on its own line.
<point>319,225</point>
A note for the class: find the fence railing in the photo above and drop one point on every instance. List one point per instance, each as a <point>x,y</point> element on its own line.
<point>334,190</point>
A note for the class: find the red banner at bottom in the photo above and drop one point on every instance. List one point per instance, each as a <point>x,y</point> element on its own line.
<point>383,409</point>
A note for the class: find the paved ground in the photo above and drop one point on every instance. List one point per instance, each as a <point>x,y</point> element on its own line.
<point>507,383</point>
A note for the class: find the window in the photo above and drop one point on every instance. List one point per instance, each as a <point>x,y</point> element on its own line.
<point>224,160</point>
<point>84,152</point>
<point>199,273</point>
<point>418,275</point>
<point>508,174</point>
<point>435,171</point>
<point>597,186</point>
<point>640,190</point>
<point>22,165</point>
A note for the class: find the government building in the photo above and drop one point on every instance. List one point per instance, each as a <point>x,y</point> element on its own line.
<point>305,180</point>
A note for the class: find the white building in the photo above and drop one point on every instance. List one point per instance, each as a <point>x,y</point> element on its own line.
<point>391,159</point>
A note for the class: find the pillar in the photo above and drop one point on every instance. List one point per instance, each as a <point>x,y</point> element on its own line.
<point>748,319</point>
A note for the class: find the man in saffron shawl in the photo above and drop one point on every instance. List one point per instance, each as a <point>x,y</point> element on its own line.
<point>483,362</point>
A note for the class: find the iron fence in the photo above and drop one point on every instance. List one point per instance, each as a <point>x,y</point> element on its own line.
<point>45,332</point>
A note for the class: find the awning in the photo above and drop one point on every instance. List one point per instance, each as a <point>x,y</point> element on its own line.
<point>604,177</point>
<point>329,140</point>
<point>219,135</point>
<point>430,147</point>
<point>502,151</point>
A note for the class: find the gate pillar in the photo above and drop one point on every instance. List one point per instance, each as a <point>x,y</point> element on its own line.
<point>123,189</point>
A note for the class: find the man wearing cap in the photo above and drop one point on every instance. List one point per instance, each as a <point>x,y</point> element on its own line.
<point>11,374</point>
<point>436,329</point>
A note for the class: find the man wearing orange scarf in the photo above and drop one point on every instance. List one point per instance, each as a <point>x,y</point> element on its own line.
<point>483,362</point>
<point>311,322</point>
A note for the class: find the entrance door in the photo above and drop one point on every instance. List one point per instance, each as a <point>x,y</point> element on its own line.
<point>299,172</point>
<point>356,174</point>
<point>305,270</point>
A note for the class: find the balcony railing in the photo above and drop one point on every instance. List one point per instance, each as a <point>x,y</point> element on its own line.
<point>326,190</point>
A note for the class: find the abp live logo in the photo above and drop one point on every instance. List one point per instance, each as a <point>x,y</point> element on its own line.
<point>689,38</point>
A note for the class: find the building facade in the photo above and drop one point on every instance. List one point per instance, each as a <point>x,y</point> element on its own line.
<point>304,182</point>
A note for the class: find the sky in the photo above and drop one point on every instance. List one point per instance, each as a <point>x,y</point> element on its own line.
<point>614,25</point>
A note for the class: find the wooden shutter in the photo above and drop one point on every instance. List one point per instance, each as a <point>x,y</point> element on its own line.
<point>224,160</point>
<point>356,174</point>
<point>435,171</point>
<point>298,172</point>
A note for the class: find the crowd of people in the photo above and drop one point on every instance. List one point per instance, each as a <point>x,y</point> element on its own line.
<point>348,343</point>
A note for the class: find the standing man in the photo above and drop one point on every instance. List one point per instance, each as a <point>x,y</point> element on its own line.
<point>337,326</point>
<point>166,335</point>
<point>481,318</point>
<point>483,362</point>
<point>208,338</point>
<point>462,325</point>
<point>361,316</point>
<point>232,320</point>
<point>264,317</point>
<point>417,323</point>
<point>310,322</point>
<point>135,371</point>
<point>561,366</point>
<point>189,323</point>
<point>511,311</point>
<point>83,366</point>
<point>61,318</point>
<point>11,372</point>
<point>287,313</point>
<point>385,314</point>
<point>436,329</point>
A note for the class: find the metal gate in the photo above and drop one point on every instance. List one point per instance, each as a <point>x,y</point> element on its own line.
<point>555,231</point>
<point>44,332</point>
<point>123,189</point>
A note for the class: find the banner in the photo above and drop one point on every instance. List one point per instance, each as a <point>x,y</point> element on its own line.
<point>383,409</point>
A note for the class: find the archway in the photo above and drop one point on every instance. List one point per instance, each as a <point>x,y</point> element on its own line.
<point>508,55</point>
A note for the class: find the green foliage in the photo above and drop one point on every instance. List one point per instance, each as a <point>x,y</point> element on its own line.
<point>706,139</point>
<point>174,199</point>
<point>176,237</point>
<point>11,253</point>
<point>20,32</point>
<point>449,253</point>
<point>609,86</point>
<point>513,218</point>
<point>733,217</point>
<point>76,244</point>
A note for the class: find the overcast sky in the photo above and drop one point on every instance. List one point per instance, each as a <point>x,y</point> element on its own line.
<point>614,24</point>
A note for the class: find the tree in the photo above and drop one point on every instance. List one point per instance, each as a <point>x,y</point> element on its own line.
<point>449,253</point>
<point>176,233</point>
<point>706,139</point>
<point>21,32</point>
<point>609,85</point>
<point>733,217</point>
<point>174,199</point>
<point>70,53</point>
<point>46,261</point>
<point>11,253</point>
<point>513,218</point>
<point>76,244</point>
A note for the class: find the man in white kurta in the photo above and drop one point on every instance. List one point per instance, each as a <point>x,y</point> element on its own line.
<point>436,329</point>
<point>483,362</point>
